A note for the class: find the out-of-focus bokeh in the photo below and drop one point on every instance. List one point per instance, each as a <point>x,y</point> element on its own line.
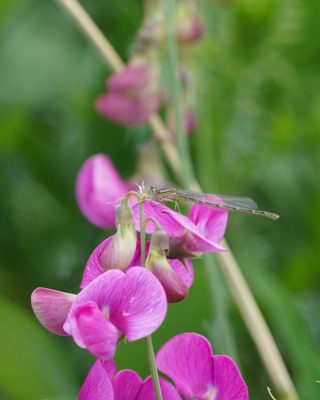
<point>258,101</point>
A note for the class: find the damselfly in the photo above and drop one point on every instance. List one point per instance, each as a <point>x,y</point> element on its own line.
<point>230,203</point>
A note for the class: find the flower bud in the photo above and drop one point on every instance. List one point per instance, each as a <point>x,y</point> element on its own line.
<point>173,283</point>
<point>189,27</point>
<point>132,95</point>
<point>121,248</point>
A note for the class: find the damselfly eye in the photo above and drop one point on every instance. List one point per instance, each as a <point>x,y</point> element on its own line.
<point>153,190</point>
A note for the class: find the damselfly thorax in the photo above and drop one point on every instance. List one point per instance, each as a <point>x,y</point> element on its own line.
<point>229,203</point>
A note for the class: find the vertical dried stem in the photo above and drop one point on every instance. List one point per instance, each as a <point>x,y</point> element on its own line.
<point>245,301</point>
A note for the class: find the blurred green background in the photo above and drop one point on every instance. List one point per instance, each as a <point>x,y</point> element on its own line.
<point>257,74</point>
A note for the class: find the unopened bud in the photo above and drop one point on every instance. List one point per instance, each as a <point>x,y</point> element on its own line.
<point>121,248</point>
<point>174,286</point>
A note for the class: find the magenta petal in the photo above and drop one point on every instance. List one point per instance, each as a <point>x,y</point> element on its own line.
<point>174,286</point>
<point>184,270</point>
<point>126,110</point>
<point>51,308</point>
<point>98,188</point>
<point>97,385</point>
<point>147,392</point>
<point>142,309</point>
<point>90,328</point>
<point>99,291</point>
<point>211,222</point>
<point>133,78</point>
<point>187,360</point>
<point>180,228</point>
<point>93,267</point>
<point>228,380</point>
<point>109,366</point>
<point>126,385</point>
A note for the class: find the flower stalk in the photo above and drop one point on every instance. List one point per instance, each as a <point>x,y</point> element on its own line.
<point>186,171</point>
<point>150,349</point>
<point>241,292</point>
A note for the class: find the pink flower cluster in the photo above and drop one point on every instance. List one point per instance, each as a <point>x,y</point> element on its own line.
<point>121,299</point>
<point>187,360</point>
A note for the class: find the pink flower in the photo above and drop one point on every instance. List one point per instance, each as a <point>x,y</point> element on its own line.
<point>100,314</point>
<point>188,360</point>
<point>198,374</point>
<point>175,276</point>
<point>132,97</point>
<point>190,29</point>
<point>98,188</point>
<point>126,385</point>
<point>190,121</point>
<point>189,236</point>
<point>98,384</point>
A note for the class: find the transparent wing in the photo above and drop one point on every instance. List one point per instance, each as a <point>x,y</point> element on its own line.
<point>217,200</point>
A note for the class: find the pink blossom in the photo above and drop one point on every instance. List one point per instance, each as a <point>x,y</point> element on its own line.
<point>189,236</point>
<point>125,385</point>
<point>98,384</point>
<point>100,314</point>
<point>175,276</point>
<point>188,360</point>
<point>132,95</point>
<point>190,29</point>
<point>98,188</point>
<point>190,122</point>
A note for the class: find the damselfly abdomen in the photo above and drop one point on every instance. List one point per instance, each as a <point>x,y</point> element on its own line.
<point>229,203</point>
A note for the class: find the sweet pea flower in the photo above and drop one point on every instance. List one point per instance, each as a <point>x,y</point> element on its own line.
<point>198,374</point>
<point>101,314</point>
<point>125,385</point>
<point>98,384</point>
<point>200,232</point>
<point>132,95</point>
<point>98,188</point>
<point>175,276</point>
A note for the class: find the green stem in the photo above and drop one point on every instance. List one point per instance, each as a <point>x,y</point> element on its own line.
<point>187,175</point>
<point>153,368</point>
<point>142,234</point>
<point>169,12</point>
<point>150,350</point>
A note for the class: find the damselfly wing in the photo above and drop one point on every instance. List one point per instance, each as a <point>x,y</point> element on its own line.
<point>230,203</point>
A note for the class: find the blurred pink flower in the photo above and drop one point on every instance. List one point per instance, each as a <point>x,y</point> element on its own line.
<point>190,29</point>
<point>98,188</point>
<point>198,374</point>
<point>100,314</point>
<point>132,95</point>
<point>190,121</point>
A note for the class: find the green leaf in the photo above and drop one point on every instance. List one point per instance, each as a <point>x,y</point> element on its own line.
<point>31,366</point>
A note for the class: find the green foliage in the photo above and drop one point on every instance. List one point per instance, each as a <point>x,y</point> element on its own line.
<point>257,77</point>
<point>32,367</point>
